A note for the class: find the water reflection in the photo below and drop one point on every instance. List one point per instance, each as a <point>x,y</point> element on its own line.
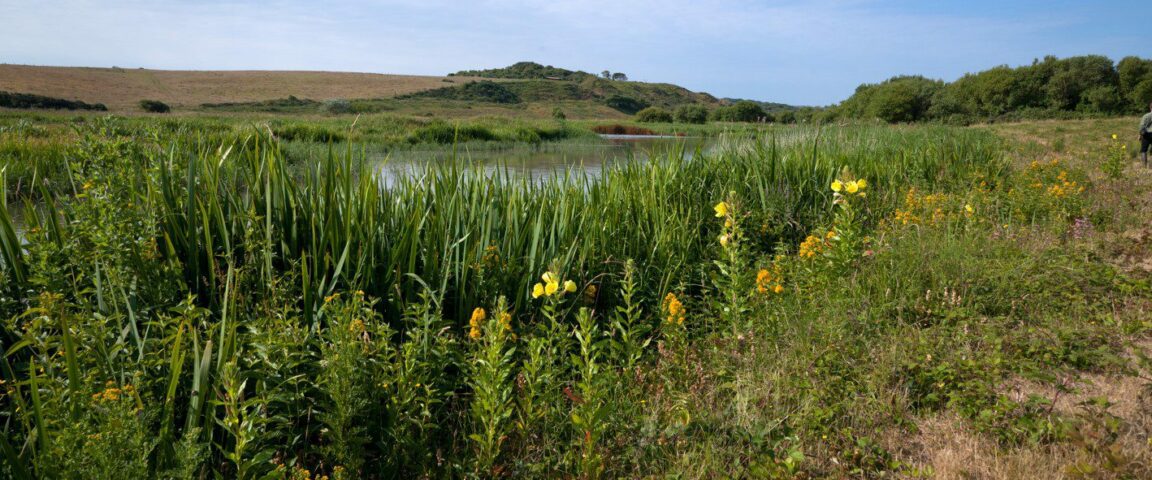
<point>545,160</point>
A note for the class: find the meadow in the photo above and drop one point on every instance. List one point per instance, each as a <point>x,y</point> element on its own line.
<point>189,300</point>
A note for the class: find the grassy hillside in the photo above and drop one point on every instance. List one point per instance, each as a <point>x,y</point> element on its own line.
<point>122,89</point>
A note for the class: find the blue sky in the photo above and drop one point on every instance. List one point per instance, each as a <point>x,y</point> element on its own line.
<point>799,52</point>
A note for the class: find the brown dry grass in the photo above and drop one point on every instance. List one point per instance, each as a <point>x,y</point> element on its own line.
<point>122,89</point>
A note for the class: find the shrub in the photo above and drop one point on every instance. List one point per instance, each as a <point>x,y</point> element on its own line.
<point>154,106</point>
<point>692,114</point>
<point>654,115</point>
<point>337,106</point>
<point>26,100</point>
<point>558,114</point>
<point>743,111</point>
<point>624,104</point>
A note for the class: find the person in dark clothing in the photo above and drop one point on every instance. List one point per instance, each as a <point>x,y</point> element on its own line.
<point>1146,134</point>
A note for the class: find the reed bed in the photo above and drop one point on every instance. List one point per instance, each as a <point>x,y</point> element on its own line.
<point>182,308</point>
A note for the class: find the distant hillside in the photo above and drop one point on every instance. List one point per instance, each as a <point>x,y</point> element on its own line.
<point>515,90</point>
<point>122,89</point>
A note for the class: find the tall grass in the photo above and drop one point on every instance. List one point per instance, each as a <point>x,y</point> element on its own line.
<point>200,285</point>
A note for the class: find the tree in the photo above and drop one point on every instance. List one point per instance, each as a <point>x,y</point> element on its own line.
<point>620,77</point>
<point>606,74</point>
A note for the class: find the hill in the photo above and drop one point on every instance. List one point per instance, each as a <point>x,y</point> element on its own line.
<point>122,89</point>
<point>523,88</point>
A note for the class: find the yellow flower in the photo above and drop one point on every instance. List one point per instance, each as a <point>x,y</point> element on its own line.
<point>763,278</point>
<point>862,183</point>
<point>721,209</point>
<point>537,290</point>
<point>551,288</point>
<point>837,186</point>
<point>674,308</point>
<point>549,277</point>
<point>852,187</point>
<point>474,333</point>
<point>969,209</point>
<point>569,286</point>
<point>1114,137</point>
<point>778,289</point>
<point>478,316</point>
<point>724,240</point>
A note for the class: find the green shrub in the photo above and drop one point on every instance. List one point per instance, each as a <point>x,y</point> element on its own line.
<point>154,106</point>
<point>654,115</point>
<point>696,114</point>
<point>742,111</point>
<point>624,104</point>
<point>26,100</point>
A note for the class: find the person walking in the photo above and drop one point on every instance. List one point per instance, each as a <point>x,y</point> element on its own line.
<point>1146,134</point>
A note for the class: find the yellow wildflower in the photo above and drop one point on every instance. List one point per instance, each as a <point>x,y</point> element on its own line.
<point>674,309</point>
<point>778,289</point>
<point>537,290</point>
<point>862,183</point>
<point>852,187</point>
<point>968,208</point>
<point>569,286</point>
<point>837,186</point>
<point>1114,137</point>
<point>724,240</point>
<point>551,288</point>
<point>721,209</point>
<point>763,278</point>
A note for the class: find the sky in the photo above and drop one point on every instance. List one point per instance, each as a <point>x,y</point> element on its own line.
<point>813,52</point>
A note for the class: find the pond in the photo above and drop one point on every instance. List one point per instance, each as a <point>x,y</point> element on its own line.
<point>534,161</point>
<point>545,160</point>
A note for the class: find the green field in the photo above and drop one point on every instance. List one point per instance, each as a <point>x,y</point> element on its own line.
<point>236,296</point>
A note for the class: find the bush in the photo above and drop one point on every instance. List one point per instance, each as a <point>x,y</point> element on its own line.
<point>484,91</point>
<point>742,111</point>
<point>692,114</point>
<point>624,104</point>
<point>337,106</point>
<point>154,106</point>
<point>558,114</point>
<point>654,115</point>
<point>26,100</point>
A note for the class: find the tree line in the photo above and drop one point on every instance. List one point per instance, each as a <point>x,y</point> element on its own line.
<point>1090,85</point>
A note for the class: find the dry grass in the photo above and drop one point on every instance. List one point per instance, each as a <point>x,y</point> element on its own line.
<point>121,89</point>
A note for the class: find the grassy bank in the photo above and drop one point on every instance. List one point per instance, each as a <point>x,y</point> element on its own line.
<point>798,304</point>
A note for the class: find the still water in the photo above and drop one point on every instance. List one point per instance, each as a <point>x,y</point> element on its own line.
<point>545,160</point>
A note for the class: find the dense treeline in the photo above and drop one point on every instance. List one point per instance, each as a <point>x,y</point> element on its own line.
<point>27,100</point>
<point>1048,88</point>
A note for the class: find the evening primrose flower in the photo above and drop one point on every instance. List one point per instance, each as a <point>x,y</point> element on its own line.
<point>537,290</point>
<point>569,286</point>
<point>1114,137</point>
<point>852,187</point>
<point>837,186</point>
<point>721,209</point>
<point>968,208</point>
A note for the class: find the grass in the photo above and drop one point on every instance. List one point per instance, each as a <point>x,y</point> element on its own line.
<point>121,89</point>
<point>192,305</point>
